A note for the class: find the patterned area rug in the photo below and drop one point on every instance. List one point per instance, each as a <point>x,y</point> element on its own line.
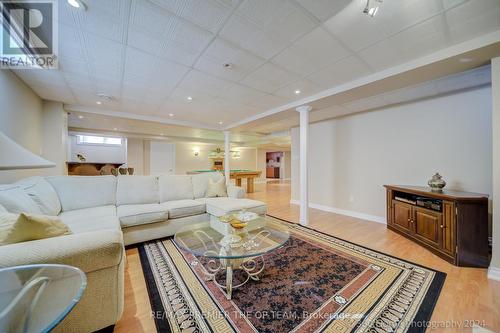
<point>314,283</point>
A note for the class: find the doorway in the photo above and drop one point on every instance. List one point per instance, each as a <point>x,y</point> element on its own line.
<point>274,165</point>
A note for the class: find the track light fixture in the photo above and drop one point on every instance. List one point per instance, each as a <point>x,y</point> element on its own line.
<point>372,7</point>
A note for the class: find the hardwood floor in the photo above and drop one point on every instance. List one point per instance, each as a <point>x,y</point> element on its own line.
<point>467,297</point>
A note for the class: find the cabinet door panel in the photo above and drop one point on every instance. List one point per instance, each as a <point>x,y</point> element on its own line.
<point>402,215</point>
<point>428,226</point>
<point>448,231</point>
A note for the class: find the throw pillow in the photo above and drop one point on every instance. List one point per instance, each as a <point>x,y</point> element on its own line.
<point>26,227</point>
<point>216,188</point>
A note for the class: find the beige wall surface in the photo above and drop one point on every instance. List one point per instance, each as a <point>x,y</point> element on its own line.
<point>55,136</point>
<point>135,155</point>
<point>21,120</point>
<point>351,158</point>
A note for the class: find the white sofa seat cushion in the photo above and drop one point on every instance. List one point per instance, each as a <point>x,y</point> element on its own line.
<point>16,200</point>
<point>183,208</point>
<point>91,219</point>
<point>135,190</point>
<point>78,192</point>
<point>42,193</point>
<point>175,187</point>
<point>223,206</point>
<point>131,215</point>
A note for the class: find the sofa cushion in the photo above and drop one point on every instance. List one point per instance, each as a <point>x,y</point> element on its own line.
<point>131,215</point>
<point>183,208</point>
<point>200,182</point>
<point>16,200</point>
<point>223,206</point>
<point>17,228</point>
<point>90,219</point>
<point>134,190</point>
<point>78,192</point>
<point>42,193</point>
<point>175,187</point>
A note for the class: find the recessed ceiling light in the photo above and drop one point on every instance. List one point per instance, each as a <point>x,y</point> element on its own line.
<point>170,114</point>
<point>220,122</point>
<point>77,4</point>
<point>98,102</point>
<point>372,9</point>
<point>162,134</point>
<point>189,98</point>
<point>297,92</point>
<point>80,117</point>
<point>115,129</point>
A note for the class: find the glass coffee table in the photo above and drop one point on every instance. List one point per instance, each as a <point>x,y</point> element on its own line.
<point>36,298</point>
<point>244,251</point>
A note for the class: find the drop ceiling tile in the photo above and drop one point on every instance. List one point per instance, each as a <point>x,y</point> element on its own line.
<point>473,18</point>
<point>269,78</point>
<point>324,9</point>
<point>281,17</point>
<point>185,42</point>
<point>447,4</point>
<point>105,56</point>
<point>424,38</point>
<point>343,71</point>
<point>70,46</point>
<point>311,53</point>
<point>150,18</point>
<point>208,14</point>
<point>396,16</point>
<point>355,29</point>
<point>198,82</point>
<point>145,42</point>
<point>305,87</point>
<point>241,94</point>
<point>221,52</point>
<point>267,101</point>
<point>251,37</point>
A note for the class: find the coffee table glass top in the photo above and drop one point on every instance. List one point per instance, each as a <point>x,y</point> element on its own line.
<point>259,237</point>
<point>36,298</point>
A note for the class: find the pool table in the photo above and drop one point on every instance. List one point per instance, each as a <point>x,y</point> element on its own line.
<point>237,175</point>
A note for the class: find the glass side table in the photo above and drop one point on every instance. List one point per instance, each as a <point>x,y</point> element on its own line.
<point>246,254</point>
<point>36,298</point>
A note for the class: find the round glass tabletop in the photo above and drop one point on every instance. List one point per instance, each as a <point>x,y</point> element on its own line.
<point>36,298</point>
<point>216,239</point>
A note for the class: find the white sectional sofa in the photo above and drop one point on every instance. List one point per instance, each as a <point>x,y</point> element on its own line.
<point>105,213</point>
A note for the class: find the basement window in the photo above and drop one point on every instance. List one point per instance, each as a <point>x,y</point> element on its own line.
<point>98,140</point>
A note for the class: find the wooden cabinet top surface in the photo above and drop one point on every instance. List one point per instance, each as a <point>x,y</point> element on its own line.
<point>444,195</point>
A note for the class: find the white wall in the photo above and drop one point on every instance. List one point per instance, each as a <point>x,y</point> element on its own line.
<point>23,119</point>
<point>351,158</point>
<point>97,153</point>
<point>495,259</point>
<point>135,155</point>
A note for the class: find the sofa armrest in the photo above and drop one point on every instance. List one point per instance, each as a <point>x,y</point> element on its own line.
<point>89,251</point>
<point>236,192</point>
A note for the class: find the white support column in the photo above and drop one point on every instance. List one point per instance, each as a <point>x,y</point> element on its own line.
<point>227,156</point>
<point>494,270</point>
<point>304,163</point>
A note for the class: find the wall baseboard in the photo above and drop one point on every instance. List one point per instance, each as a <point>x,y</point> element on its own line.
<point>494,273</point>
<point>340,211</point>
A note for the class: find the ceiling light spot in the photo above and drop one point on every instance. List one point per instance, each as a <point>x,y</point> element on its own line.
<point>162,134</point>
<point>189,98</point>
<point>115,129</point>
<point>220,122</point>
<point>80,117</point>
<point>77,4</point>
<point>170,114</point>
<point>297,92</point>
<point>372,7</point>
<point>98,102</point>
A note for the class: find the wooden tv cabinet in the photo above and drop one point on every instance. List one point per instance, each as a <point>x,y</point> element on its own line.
<point>455,228</point>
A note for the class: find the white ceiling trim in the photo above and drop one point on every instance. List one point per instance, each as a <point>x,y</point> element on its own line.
<point>118,114</point>
<point>443,54</point>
